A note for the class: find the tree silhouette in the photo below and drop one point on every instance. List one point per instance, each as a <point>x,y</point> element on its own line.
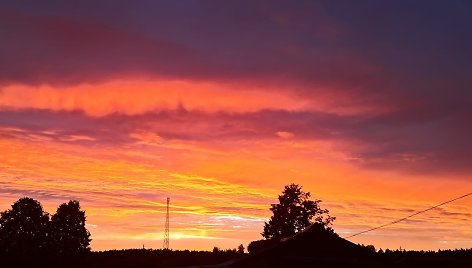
<point>240,249</point>
<point>23,228</point>
<point>294,213</point>
<point>68,231</point>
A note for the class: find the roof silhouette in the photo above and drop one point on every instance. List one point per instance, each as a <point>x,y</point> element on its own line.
<point>313,246</point>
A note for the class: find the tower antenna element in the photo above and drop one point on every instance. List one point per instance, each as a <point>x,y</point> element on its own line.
<point>166,231</point>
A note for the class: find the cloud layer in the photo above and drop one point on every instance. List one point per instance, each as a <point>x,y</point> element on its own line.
<point>348,98</point>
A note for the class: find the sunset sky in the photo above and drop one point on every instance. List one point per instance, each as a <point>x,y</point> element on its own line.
<point>219,104</point>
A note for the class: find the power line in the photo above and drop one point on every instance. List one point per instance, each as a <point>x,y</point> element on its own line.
<point>412,215</point>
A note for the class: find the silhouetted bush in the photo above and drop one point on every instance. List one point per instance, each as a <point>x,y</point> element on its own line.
<point>258,245</point>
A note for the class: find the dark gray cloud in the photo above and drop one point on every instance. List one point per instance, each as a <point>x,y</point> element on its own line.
<point>411,56</point>
<point>400,53</point>
<point>261,41</point>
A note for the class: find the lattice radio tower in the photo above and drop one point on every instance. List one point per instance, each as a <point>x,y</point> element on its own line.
<point>166,231</point>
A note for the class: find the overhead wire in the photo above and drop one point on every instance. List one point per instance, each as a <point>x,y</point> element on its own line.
<point>410,216</point>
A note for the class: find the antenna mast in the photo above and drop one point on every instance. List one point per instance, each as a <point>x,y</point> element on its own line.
<point>166,232</point>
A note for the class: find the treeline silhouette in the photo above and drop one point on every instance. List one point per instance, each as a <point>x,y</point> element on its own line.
<point>429,258</point>
<point>159,258</point>
<point>126,258</point>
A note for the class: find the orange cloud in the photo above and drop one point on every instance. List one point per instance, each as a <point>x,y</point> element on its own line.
<point>138,96</point>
